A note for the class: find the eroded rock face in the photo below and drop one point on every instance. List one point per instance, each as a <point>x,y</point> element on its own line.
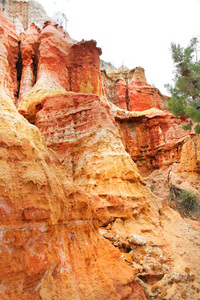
<point>128,89</point>
<point>190,156</point>
<point>49,242</point>
<point>153,138</point>
<point>9,57</point>
<point>186,174</point>
<point>29,60</point>
<point>23,12</point>
<point>54,64</point>
<point>83,134</point>
<point>84,66</point>
<point>51,245</point>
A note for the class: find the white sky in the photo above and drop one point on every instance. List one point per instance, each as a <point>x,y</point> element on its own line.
<point>133,32</point>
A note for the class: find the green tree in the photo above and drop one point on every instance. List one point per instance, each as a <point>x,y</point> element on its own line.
<point>185,94</point>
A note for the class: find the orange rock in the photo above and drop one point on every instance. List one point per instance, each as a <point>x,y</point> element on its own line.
<point>80,128</point>
<point>121,94</point>
<point>154,287</point>
<point>183,294</point>
<point>141,95</point>
<point>84,68</point>
<point>190,156</point>
<point>29,56</point>
<point>128,89</point>
<point>53,56</point>
<point>115,89</point>
<point>53,63</point>
<point>153,138</point>
<point>163,293</point>
<point>50,241</point>
<point>127,257</point>
<point>50,244</point>
<point>9,57</point>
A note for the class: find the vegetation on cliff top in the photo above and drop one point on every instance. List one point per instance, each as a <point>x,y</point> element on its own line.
<point>185,94</point>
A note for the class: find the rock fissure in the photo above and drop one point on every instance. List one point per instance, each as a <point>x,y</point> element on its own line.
<point>19,67</point>
<point>35,62</point>
<point>127,91</point>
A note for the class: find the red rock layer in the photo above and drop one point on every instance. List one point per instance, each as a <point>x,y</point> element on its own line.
<point>84,68</point>
<point>9,57</point>
<point>54,47</point>
<point>154,138</point>
<point>54,63</point>
<point>129,90</point>
<point>29,57</point>
<point>121,94</point>
<point>115,88</point>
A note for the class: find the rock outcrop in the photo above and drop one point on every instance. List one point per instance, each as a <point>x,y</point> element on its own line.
<point>72,171</point>
<point>70,66</point>
<point>128,89</point>
<point>153,138</point>
<point>50,244</point>
<point>8,58</point>
<point>23,12</point>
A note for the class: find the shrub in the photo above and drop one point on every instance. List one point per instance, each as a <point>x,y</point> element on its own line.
<point>189,200</point>
<point>186,127</point>
<point>197,128</point>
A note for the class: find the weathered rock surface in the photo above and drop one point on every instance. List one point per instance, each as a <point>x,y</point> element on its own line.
<point>153,138</point>
<point>128,89</point>
<point>80,128</point>
<point>164,265</point>
<point>184,175</point>
<point>28,61</point>
<point>23,12</point>
<point>55,64</point>
<point>84,68</point>
<point>190,156</point>
<point>8,57</point>
<point>51,247</point>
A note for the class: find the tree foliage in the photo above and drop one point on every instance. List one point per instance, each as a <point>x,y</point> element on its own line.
<point>185,94</point>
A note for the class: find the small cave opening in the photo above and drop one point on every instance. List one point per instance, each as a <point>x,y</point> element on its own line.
<point>19,69</point>
<point>151,278</point>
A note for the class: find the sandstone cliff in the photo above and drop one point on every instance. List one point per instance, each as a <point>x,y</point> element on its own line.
<point>77,218</point>
<point>50,244</point>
